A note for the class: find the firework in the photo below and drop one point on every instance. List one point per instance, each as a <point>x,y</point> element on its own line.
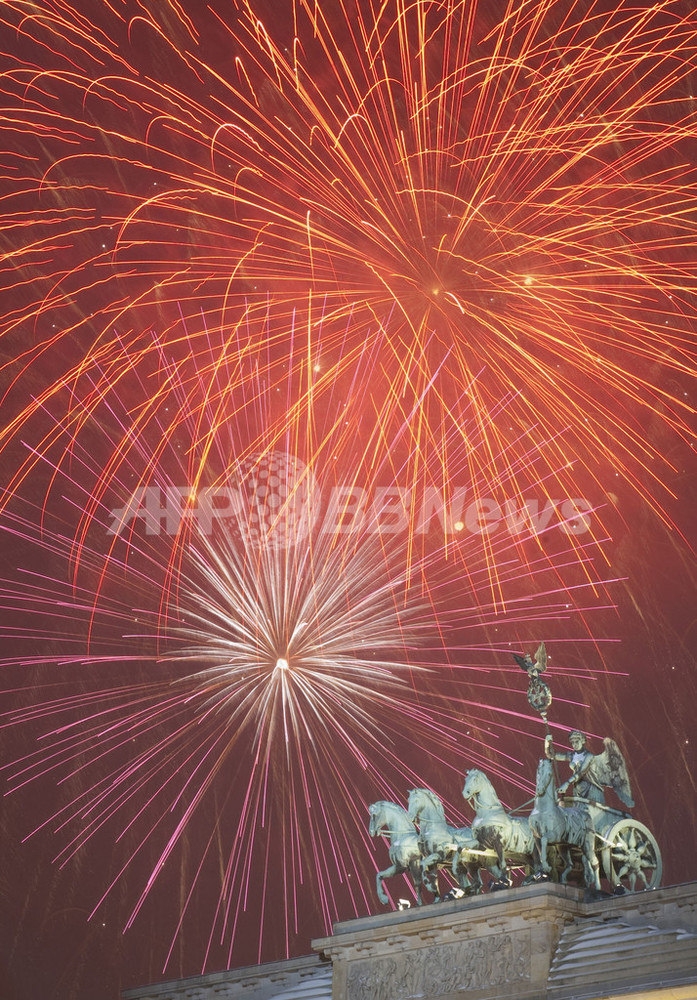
<point>248,670</point>
<point>436,265</point>
<point>385,212</point>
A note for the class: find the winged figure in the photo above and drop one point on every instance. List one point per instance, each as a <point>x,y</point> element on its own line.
<point>533,668</point>
<point>539,695</point>
<point>592,773</point>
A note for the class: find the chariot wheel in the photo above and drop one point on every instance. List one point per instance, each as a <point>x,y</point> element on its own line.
<point>631,857</point>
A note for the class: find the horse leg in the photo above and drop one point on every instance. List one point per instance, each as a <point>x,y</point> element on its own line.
<point>478,882</point>
<point>495,871</point>
<point>431,883</point>
<point>535,857</point>
<point>429,862</point>
<point>591,865</point>
<point>595,865</point>
<point>417,877</point>
<point>379,878</point>
<point>568,861</point>
<point>429,867</point>
<point>463,878</point>
<point>474,875</point>
<point>461,871</point>
<point>502,866</point>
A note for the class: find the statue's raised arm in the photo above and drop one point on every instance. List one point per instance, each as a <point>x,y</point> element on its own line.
<point>592,773</point>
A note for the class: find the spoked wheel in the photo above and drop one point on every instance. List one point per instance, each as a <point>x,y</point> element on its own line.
<point>631,859</point>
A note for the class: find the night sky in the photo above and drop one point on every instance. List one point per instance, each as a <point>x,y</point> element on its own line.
<point>347,349</point>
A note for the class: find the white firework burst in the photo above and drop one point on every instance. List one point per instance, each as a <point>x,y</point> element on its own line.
<point>315,631</point>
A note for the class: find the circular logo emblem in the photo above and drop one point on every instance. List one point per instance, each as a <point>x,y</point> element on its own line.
<point>274,492</point>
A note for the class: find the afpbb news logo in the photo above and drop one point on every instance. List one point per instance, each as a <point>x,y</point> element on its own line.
<point>277,496</point>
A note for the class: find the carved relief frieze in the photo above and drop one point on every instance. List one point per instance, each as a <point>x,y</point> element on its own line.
<point>493,961</point>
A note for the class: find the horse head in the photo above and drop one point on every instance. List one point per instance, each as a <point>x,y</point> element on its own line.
<point>424,800</point>
<point>378,818</point>
<point>415,804</point>
<point>544,776</point>
<point>473,784</point>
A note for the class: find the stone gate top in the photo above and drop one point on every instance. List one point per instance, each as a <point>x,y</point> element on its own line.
<point>540,942</point>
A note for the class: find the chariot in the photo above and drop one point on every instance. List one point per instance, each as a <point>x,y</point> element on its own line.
<point>563,837</point>
<point>629,856</point>
<point>569,838</point>
<point>621,850</point>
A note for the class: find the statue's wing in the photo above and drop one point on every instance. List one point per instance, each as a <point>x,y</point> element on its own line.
<point>541,658</point>
<point>520,660</point>
<point>609,768</point>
